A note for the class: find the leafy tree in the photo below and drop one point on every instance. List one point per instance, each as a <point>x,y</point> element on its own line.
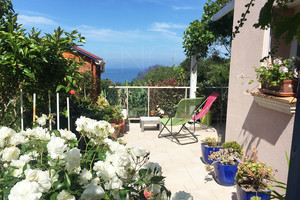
<point>203,34</point>
<point>157,73</point>
<point>214,71</point>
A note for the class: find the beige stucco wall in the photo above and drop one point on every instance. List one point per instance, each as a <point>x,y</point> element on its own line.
<point>247,123</point>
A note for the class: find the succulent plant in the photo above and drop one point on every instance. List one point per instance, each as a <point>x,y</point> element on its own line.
<point>229,155</point>
<point>211,142</point>
<point>253,174</point>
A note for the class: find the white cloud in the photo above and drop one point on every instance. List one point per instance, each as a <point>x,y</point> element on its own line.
<point>184,8</point>
<point>35,20</point>
<point>166,27</point>
<point>110,35</point>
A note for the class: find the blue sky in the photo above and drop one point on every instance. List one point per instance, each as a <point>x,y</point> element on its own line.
<point>125,33</point>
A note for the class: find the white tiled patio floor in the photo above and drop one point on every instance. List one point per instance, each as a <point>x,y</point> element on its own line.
<point>181,164</point>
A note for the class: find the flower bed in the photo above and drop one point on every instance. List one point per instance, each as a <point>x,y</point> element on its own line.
<point>42,164</point>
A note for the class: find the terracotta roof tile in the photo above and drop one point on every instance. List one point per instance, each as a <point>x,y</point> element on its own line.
<point>86,53</point>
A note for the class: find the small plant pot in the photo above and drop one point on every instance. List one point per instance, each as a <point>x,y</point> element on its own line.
<point>246,195</point>
<point>122,128</point>
<point>206,151</point>
<point>225,174</point>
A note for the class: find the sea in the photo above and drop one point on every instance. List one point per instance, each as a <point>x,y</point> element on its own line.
<point>121,74</point>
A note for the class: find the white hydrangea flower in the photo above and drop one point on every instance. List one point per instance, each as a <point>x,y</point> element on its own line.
<point>42,120</point>
<point>114,183</point>
<point>68,135</point>
<point>64,195</point>
<point>25,190</point>
<point>93,191</point>
<point>31,175</point>
<point>17,139</point>
<point>104,169</point>
<point>94,129</point>
<point>5,134</point>
<point>19,164</point>
<point>53,176</point>
<point>120,162</point>
<point>56,147</point>
<point>38,132</point>
<point>73,160</point>
<point>39,176</point>
<point>116,147</point>
<point>80,123</point>
<point>10,153</point>
<point>138,152</point>
<point>85,176</point>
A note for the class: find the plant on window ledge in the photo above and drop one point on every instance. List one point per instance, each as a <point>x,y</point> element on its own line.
<point>279,77</point>
<point>276,71</point>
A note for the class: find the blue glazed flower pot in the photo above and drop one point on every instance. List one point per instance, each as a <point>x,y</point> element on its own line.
<point>206,151</point>
<point>225,174</point>
<point>245,195</point>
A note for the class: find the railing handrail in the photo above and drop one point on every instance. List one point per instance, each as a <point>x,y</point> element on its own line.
<point>156,87</point>
<point>163,87</point>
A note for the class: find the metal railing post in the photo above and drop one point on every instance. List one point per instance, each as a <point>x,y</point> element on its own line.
<point>127,94</point>
<point>148,101</point>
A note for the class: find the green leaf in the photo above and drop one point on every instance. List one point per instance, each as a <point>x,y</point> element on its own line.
<point>28,73</point>
<point>156,179</point>
<point>67,180</point>
<point>59,88</point>
<point>123,194</point>
<point>287,159</point>
<point>58,185</point>
<point>142,172</point>
<point>139,182</point>
<point>53,196</point>
<point>56,133</point>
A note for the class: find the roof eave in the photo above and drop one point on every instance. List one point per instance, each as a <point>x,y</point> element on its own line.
<point>221,13</point>
<point>76,49</point>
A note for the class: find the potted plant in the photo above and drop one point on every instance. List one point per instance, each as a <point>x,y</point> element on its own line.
<point>226,162</point>
<point>279,77</point>
<point>208,146</point>
<point>111,114</point>
<point>252,177</point>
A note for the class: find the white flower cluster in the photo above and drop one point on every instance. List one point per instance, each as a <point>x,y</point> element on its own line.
<point>95,130</point>
<point>119,169</point>
<point>42,120</point>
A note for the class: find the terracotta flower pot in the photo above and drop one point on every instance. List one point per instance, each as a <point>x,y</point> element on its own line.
<point>119,128</point>
<point>286,88</point>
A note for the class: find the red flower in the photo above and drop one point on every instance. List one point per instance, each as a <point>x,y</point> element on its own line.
<point>148,194</point>
<point>72,92</point>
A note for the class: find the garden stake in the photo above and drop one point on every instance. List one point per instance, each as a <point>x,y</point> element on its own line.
<point>68,112</point>
<point>50,124</point>
<point>22,122</point>
<point>34,103</point>
<point>57,109</point>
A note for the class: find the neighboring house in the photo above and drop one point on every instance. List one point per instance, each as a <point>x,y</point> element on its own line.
<point>92,63</point>
<point>270,129</point>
